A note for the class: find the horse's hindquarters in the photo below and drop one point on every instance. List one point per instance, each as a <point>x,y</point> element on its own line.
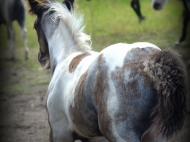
<point>116,95</point>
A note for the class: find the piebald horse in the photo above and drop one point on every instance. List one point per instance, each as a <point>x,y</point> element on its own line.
<point>11,10</point>
<point>159,4</point>
<point>125,93</point>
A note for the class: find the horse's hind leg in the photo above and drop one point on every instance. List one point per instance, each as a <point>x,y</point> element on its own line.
<point>116,130</point>
<point>11,39</point>
<point>24,34</point>
<point>21,22</point>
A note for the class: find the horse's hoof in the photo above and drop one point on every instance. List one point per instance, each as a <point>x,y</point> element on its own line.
<point>177,44</point>
<point>188,62</point>
<point>26,55</point>
<point>12,59</point>
<point>142,18</point>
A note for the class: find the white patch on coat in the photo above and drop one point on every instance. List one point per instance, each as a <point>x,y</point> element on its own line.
<point>112,108</point>
<point>115,54</point>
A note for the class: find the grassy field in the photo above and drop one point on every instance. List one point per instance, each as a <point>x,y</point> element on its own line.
<point>111,21</point>
<point>108,22</point>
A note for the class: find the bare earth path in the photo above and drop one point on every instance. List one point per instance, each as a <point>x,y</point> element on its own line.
<point>23,116</point>
<point>23,88</point>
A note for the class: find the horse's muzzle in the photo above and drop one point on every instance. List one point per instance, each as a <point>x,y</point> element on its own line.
<point>157,6</point>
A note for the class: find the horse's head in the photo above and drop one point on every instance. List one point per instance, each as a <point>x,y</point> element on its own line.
<point>158,4</point>
<point>40,8</point>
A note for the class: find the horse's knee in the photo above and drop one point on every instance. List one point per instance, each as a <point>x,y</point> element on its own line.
<point>10,33</point>
<point>24,32</point>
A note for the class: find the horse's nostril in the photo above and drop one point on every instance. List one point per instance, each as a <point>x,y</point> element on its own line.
<point>156,6</point>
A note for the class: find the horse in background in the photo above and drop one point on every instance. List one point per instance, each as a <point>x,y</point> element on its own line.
<point>135,4</point>
<point>11,10</point>
<point>159,4</point>
<point>127,92</point>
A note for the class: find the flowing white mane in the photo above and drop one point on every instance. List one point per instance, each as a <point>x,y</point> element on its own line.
<point>74,22</point>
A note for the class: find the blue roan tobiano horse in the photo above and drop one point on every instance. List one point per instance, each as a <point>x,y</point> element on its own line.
<point>125,93</point>
<point>11,10</point>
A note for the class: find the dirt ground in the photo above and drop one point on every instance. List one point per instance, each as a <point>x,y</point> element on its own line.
<point>23,88</point>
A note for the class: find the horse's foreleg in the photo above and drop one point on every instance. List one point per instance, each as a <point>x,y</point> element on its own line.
<point>60,130</point>
<point>11,39</point>
<point>24,35</point>
<point>184,29</point>
<point>136,7</point>
<point>60,127</point>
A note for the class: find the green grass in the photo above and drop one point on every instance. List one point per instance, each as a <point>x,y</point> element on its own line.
<point>111,21</point>
<point>108,22</point>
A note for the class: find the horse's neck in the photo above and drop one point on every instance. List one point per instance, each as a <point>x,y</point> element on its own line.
<point>61,44</point>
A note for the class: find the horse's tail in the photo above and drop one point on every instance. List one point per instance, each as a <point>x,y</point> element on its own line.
<point>168,75</point>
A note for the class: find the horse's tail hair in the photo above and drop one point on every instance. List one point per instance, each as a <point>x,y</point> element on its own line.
<point>168,74</point>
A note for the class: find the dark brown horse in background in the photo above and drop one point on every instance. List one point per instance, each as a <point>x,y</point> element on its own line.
<point>135,4</point>
<point>158,5</point>
<point>11,10</point>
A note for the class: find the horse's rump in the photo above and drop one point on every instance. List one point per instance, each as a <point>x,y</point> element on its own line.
<point>111,90</point>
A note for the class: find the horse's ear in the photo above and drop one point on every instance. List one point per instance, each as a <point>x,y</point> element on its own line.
<point>33,6</point>
<point>36,6</point>
<point>69,4</point>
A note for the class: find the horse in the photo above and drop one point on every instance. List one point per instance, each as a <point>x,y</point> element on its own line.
<point>136,7</point>
<point>11,10</point>
<point>126,92</point>
<point>159,4</point>
<point>135,4</point>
